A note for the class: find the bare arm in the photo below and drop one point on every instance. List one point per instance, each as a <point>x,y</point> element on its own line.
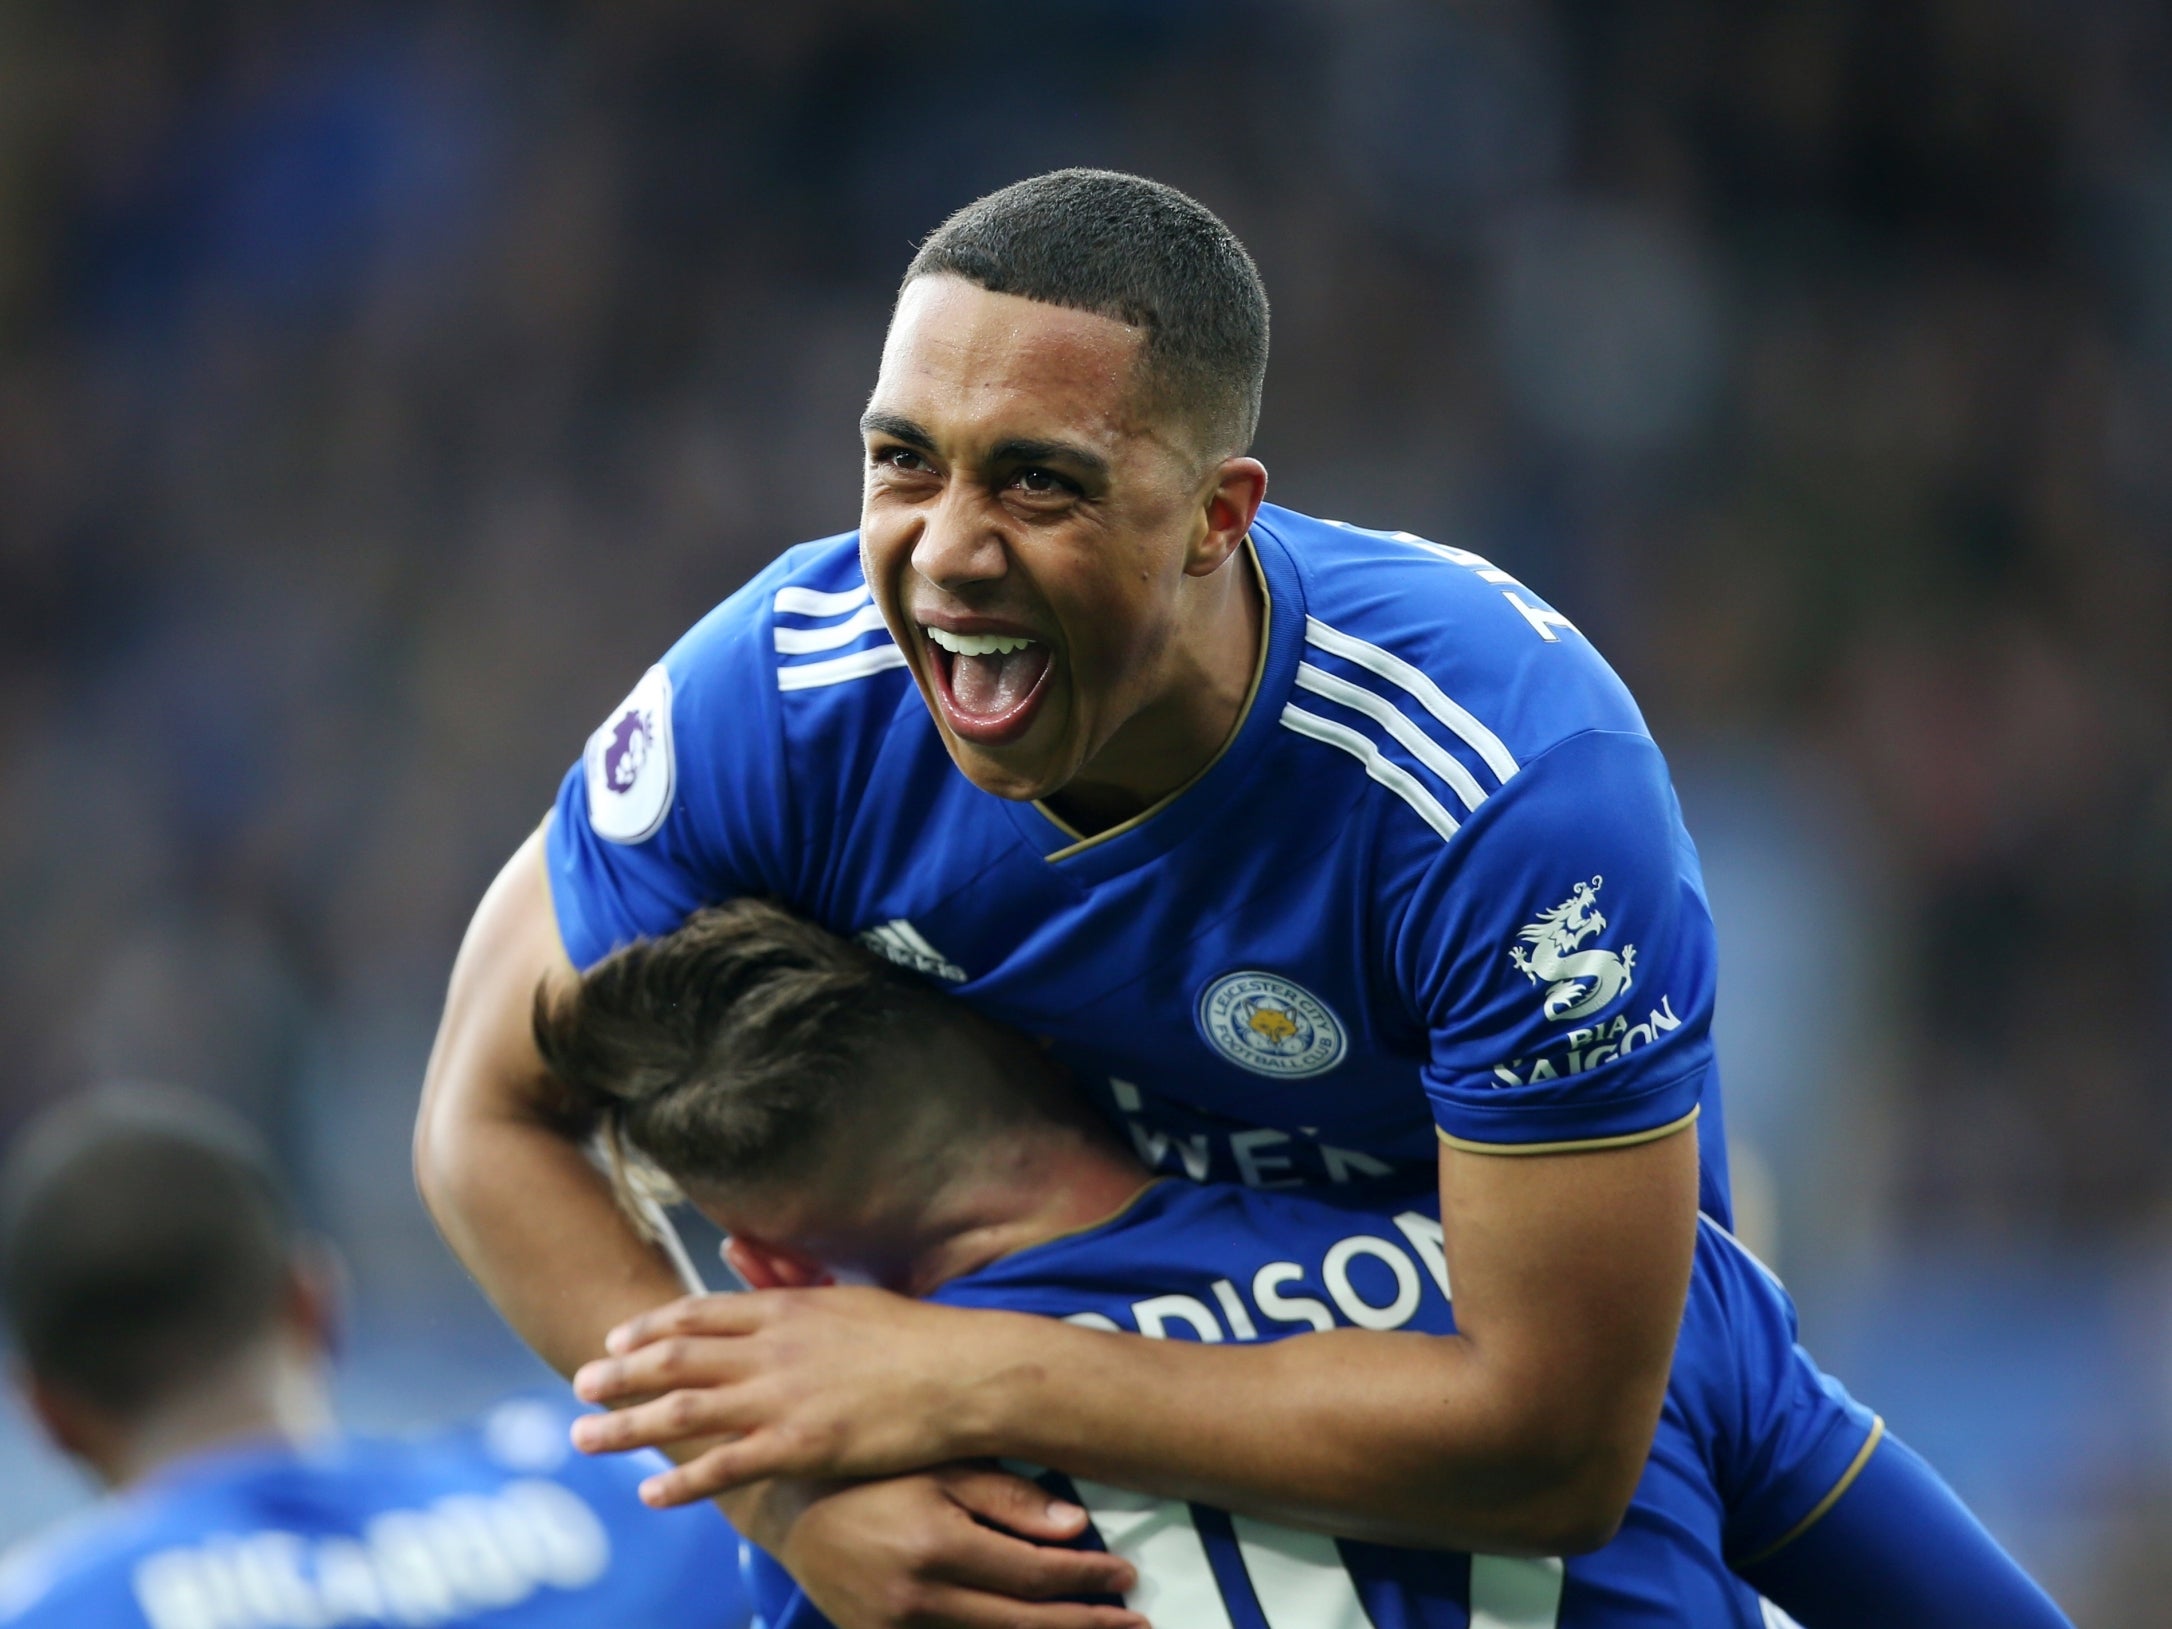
<point>500,1164</point>
<point>498,1155</point>
<point>1525,1432</point>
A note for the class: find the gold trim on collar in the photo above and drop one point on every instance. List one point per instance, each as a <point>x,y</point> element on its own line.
<point>1116,1215</point>
<point>1079,842</point>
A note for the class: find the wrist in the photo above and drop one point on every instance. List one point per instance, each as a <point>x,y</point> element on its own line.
<point>1010,1407</point>
<point>764,1513</point>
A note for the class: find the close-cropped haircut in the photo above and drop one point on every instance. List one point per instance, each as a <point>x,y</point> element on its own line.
<point>724,1053</point>
<point>1138,251</point>
<point>145,1239</point>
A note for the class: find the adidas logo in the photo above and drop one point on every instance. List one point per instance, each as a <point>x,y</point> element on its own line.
<point>901,942</point>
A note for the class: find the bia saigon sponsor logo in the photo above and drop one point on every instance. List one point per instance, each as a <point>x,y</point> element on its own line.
<point>1267,1024</point>
<point>629,763</point>
<point>1578,982</point>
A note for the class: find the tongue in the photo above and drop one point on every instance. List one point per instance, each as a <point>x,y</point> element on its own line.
<point>990,686</point>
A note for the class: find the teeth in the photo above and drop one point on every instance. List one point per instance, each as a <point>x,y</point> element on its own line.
<point>977,644</point>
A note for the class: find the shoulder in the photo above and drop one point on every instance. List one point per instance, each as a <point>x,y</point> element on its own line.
<point>77,1572</point>
<point>1416,620</point>
<point>1448,683</point>
<point>792,668</point>
<point>805,624</point>
<point>802,644</point>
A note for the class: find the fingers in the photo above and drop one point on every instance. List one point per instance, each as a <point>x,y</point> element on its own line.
<point>666,1363</point>
<point>675,1418</point>
<point>1013,1503</point>
<point>946,1606</point>
<point>904,1553</point>
<point>736,1313</point>
<point>986,1561</point>
<point>719,1471</point>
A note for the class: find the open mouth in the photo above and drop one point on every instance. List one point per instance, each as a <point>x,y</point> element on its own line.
<point>990,685</point>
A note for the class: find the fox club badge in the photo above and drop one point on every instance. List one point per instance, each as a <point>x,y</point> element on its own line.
<point>1267,1024</point>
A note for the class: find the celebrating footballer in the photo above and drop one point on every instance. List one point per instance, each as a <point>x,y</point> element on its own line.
<point>1316,857</point>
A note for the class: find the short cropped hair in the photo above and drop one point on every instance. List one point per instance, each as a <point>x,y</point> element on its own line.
<point>725,1053</point>
<point>145,1239</point>
<point>1138,251</point>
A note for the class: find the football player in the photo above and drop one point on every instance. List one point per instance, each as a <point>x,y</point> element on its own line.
<point>173,1329</point>
<point>845,1121</point>
<point>1320,855</point>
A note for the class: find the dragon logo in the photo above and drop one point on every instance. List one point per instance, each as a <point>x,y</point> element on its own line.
<point>1577,981</point>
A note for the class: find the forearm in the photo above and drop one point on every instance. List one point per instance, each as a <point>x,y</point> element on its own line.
<point>1523,1433</point>
<point>537,1225</point>
<point>1437,1448</point>
<point>498,1157</point>
<point>504,1175</point>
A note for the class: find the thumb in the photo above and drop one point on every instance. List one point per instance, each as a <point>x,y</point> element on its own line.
<point>1013,1503</point>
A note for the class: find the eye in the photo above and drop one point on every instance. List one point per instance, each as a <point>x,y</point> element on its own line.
<point>1041,483</point>
<point>901,459</point>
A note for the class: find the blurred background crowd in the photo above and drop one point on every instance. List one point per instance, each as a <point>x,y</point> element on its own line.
<point>383,386</point>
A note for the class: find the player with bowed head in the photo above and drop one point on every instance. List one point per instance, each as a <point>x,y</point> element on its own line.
<point>838,1116</point>
<point>173,1330</point>
<point>1318,855</point>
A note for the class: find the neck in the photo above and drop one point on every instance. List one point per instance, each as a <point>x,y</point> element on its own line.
<point>272,1393</point>
<point>1210,670</point>
<point>1047,1182</point>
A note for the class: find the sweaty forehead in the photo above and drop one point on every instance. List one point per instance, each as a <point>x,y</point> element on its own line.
<point>973,367</point>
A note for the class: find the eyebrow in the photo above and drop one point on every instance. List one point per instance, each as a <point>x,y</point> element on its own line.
<point>897,427</point>
<point>1021,451</point>
<point>1015,450</point>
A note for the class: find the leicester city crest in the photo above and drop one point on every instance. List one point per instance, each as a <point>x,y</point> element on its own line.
<point>1264,1023</point>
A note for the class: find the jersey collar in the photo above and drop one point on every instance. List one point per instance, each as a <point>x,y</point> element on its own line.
<point>1193,806</point>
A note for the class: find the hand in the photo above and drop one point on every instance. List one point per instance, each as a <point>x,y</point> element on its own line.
<point>839,1382</point>
<point>918,1552</point>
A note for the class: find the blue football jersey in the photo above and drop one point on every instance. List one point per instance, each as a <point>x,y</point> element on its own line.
<point>499,1525</point>
<point>1436,882</point>
<point>1753,1442</point>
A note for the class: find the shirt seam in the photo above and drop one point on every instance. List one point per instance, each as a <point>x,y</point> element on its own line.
<point>1824,1506</point>
<point>1572,1145</point>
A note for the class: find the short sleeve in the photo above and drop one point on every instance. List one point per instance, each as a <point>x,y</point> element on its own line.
<point>679,800</point>
<point>1560,953</point>
<point>1787,1438</point>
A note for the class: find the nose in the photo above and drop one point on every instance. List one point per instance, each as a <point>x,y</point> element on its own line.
<point>960,545</point>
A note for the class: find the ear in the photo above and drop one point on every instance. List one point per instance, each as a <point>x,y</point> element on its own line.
<point>76,1428</point>
<point>316,1295</point>
<point>1238,487</point>
<point>773,1266</point>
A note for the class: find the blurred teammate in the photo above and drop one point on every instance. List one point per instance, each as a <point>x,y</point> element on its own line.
<point>1320,855</point>
<point>173,1333</point>
<point>838,1117</point>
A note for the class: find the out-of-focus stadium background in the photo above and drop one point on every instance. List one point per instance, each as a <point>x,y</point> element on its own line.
<point>382,386</point>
